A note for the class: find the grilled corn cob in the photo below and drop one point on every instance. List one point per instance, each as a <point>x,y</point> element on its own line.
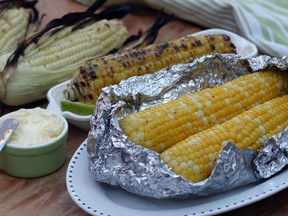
<point>163,125</point>
<point>88,81</point>
<point>15,23</point>
<point>74,47</point>
<point>194,157</point>
<point>51,56</point>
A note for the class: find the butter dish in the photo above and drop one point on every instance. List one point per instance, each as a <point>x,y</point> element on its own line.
<point>22,159</point>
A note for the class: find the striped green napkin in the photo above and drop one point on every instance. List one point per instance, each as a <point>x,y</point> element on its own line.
<point>263,22</point>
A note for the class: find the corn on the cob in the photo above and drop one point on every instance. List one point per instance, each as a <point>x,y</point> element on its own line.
<point>163,125</point>
<point>15,23</point>
<point>88,81</point>
<point>54,58</point>
<point>194,157</point>
<point>68,47</point>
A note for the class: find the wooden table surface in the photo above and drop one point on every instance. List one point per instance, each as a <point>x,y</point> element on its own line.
<point>48,195</point>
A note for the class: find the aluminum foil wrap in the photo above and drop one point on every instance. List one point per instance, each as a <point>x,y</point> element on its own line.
<point>115,160</point>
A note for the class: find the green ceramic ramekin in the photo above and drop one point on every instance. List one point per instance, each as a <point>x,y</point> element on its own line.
<point>37,160</point>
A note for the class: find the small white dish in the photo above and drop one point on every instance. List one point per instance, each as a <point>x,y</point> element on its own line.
<point>55,96</point>
<point>244,47</point>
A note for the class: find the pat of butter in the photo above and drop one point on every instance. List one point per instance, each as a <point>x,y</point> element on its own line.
<point>36,126</point>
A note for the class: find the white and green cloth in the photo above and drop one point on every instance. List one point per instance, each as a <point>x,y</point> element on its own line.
<point>263,22</point>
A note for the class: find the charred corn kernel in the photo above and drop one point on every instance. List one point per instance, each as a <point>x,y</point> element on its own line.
<point>199,152</point>
<point>166,124</point>
<point>54,57</point>
<point>13,27</point>
<point>112,69</point>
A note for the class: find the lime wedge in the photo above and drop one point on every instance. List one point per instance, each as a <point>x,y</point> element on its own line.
<point>77,107</point>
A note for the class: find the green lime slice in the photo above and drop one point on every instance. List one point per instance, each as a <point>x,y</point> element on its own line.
<point>77,107</point>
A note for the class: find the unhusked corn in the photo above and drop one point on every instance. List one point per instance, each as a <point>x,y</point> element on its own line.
<point>194,157</point>
<point>75,46</point>
<point>163,125</point>
<point>13,28</point>
<point>88,81</point>
<point>54,57</point>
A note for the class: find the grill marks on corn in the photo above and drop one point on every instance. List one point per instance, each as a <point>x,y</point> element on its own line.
<point>112,69</point>
<point>64,48</point>
<point>194,157</point>
<point>162,126</point>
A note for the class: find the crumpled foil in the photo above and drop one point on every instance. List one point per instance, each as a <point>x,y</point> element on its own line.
<point>115,160</point>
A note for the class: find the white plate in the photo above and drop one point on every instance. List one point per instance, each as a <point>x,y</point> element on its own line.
<point>244,47</point>
<point>105,200</point>
<point>55,96</point>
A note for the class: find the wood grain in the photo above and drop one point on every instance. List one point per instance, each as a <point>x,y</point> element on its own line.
<point>48,195</point>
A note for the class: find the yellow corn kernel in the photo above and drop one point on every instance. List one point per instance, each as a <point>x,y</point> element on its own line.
<point>142,61</point>
<point>192,113</point>
<point>198,164</point>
